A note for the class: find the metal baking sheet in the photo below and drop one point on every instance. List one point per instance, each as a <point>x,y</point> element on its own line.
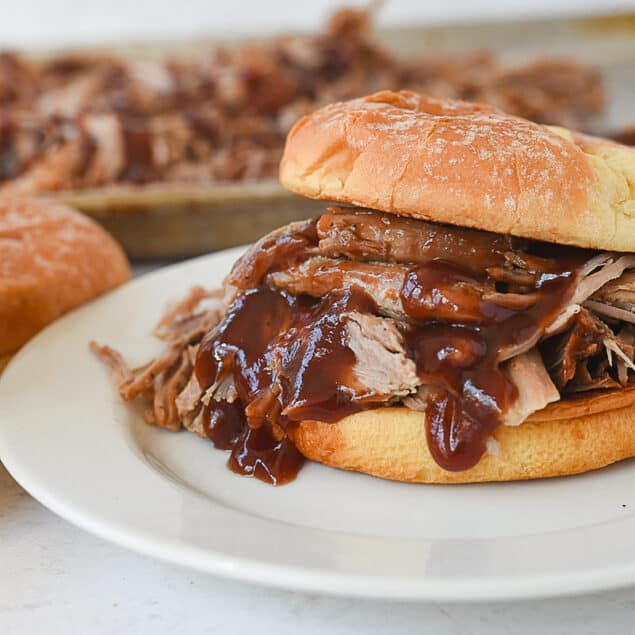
<point>170,221</point>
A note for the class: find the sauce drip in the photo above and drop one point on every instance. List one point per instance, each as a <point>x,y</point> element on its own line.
<point>463,341</point>
<point>288,360</point>
<point>253,451</point>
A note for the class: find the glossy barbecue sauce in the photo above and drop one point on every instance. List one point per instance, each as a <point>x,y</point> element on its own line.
<point>289,362</point>
<point>288,358</point>
<point>459,346</point>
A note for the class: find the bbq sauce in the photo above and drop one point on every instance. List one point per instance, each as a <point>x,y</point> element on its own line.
<point>253,451</point>
<point>275,251</point>
<point>460,348</point>
<point>288,361</point>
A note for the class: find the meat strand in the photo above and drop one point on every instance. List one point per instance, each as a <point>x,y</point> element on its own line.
<point>224,115</point>
<point>382,366</point>
<point>364,235</point>
<point>279,249</point>
<point>534,385</point>
<point>167,384</point>
<point>318,275</point>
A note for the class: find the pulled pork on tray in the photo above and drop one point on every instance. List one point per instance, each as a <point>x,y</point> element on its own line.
<point>81,121</point>
<point>358,309</point>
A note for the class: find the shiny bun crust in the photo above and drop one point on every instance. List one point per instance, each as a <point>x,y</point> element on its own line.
<point>390,443</point>
<point>465,164</point>
<point>51,260</point>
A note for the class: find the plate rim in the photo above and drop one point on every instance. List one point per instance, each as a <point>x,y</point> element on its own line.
<point>469,590</point>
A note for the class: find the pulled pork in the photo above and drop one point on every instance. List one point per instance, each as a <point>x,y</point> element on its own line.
<point>81,121</point>
<point>167,385</point>
<point>315,322</point>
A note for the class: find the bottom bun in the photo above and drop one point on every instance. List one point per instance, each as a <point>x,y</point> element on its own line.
<point>390,443</point>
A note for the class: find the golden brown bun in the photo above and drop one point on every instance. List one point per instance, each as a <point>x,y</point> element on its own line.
<point>391,443</point>
<point>52,259</point>
<point>465,164</point>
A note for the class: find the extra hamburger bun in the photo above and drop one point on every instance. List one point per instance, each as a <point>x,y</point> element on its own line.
<point>465,164</point>
<point>474,166</point>
<point>52,259</point>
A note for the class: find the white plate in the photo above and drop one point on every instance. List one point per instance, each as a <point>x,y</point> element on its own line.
<point>69,440</point>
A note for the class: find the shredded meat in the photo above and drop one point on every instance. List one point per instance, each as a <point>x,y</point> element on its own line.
<point>611,312</point>
<point>616,299</point>
<point>516,301</point>
<point>592,374</point>
<point>80,121</point>
<point>356,310</point>
<point>600,270</point>
<point>120,371</point>
<point>191,317</point>
<point>618,291</point>
<point>226,390</point>
<point>581,342</point>
<point>544,88</point>
<point>189,399</point>
<point>142,379</point>
<point>597,272</point>
<point>625,342</point>
<point>535,388</point>
<point>278,248</point>
<point>528,373</point>
<point>167,384</point>
<point>383,282</point>
<point>318,275</point>
<point>625,136</point>
<point>366,235</point>
<point>383,368</point>
<point>589,355</point>
<point>419,400</point>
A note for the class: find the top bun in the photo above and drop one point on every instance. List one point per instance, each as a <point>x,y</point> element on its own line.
<point>465,164</point>
<point>51,260</point>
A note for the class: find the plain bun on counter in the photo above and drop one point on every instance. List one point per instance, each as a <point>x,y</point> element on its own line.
<point>52,259</point>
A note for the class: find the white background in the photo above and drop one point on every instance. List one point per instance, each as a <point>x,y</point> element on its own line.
<point>43,22</point>
<point>55,578</point>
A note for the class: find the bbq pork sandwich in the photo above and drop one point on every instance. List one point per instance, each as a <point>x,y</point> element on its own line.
<point>465,313</point>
